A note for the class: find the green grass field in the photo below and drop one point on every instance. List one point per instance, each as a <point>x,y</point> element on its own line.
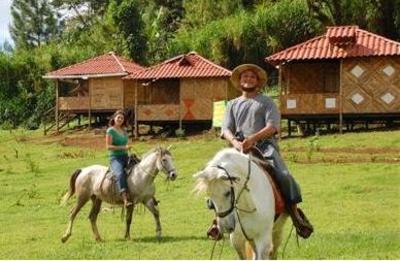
<point>350,185</point>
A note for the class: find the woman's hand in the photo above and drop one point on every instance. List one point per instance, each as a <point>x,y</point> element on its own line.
<point>128,147</point>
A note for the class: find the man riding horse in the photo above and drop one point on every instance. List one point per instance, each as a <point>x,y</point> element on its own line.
<point>253,120</point>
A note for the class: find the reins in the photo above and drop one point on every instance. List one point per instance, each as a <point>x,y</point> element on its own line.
<point>213,248</point>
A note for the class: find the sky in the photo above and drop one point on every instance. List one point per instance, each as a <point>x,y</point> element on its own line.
<point>5,19</point>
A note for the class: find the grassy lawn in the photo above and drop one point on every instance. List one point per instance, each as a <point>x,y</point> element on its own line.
<point>350,185</point>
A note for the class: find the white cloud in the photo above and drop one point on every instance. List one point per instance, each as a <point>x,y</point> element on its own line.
<point>5,19</point>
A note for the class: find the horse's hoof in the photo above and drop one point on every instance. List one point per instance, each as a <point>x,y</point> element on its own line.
<point>99,240</point>
<point>158,236</point>
<point>64,239</point>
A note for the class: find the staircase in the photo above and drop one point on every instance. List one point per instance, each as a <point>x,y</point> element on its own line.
<point>49,122</point>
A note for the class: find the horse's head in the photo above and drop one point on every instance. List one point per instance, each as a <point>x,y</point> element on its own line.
<point>219,183</point>
<point>165,164</point>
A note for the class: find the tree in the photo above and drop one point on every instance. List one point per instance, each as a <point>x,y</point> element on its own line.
<point>386,18</point>
<point>85,10</point>
<point>127,17</point>
<point>33,23</point>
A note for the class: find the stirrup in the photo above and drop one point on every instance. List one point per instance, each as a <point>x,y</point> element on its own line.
<point>128,204</point>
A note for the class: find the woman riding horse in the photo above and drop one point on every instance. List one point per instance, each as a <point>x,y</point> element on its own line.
<point>117,146</point>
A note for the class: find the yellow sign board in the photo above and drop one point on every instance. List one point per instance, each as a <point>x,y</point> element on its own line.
<point>218,113</point>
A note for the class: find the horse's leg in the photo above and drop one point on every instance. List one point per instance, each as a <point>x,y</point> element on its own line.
<point>262,247</point>
<point>129,212</point>
<point>277,235</point>
<point>94,212</point>
<point>81,201</point>
<point>152,206</point>
<point>239,243</point>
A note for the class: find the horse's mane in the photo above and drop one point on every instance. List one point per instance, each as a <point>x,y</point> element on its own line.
<point>225,153</point>
<point>156,149</point>
<point>203,183</point>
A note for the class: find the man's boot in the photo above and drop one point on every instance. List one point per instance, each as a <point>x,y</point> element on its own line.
<point>300,221</point>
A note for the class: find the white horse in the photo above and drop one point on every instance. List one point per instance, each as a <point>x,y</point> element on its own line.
<point>242,197</point>
<point>94,183</point>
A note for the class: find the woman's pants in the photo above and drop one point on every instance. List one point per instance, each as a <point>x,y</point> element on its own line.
<point>118,164</point>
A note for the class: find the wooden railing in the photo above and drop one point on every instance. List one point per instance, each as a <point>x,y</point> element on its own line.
<point>73,103</point>
<point>319,103</point>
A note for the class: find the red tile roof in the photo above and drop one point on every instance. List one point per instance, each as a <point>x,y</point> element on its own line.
<point>189,65</point>
<point>104,65</point>
<point>338,42</point>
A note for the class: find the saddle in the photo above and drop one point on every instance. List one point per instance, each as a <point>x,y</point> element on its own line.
<point>269,171</point>
<point>133,159</point>
<point>301,222</point>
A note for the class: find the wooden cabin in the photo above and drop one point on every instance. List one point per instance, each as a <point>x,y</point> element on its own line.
<point>180,91</point>
<point>344,76</point>
<point>93,87</point>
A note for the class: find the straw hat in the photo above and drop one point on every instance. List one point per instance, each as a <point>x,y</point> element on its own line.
<point>235,78</point>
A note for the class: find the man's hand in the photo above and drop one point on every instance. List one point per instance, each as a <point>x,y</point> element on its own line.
<point>247,144</point>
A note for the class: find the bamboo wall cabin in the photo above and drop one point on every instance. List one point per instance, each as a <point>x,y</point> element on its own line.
<point>345,76</point>
<point>180,91</point>
<point>93,87</point>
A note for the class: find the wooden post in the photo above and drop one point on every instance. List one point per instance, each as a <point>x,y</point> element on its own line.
<point>289,128</point>
<point>341,98</point>
<point>57,108</point>
<point>123,94</point>
<point>180,105</point>
<point>90,104</point>
<point>280,99</point>
<point>136,133</point>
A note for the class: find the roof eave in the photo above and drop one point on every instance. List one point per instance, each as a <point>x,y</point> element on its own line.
<point>174,77</point>
<point>83,76</point>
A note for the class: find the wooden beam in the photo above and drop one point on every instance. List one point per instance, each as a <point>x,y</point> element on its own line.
<point>341,98</point>
<point>90,104</point>
<point>57,108</point>
<point>123,94</point>
<point>180,104</point>
<point>136,133</point>
<point>280,99</point>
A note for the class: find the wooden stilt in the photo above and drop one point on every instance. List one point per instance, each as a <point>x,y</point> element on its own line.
<point>341,97</point>
<point>57,108</point>
<point>90,104</point>
<point>136,131</point>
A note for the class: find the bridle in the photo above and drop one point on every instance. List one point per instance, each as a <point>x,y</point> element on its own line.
<point>232,194</point>
<point>234,201</point>
<point>164,167</point>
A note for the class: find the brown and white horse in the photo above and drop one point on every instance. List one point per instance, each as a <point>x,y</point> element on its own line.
<point>92,183</point>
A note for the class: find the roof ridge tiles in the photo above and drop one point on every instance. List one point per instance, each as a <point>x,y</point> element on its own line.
<point>118,62</point>
<point>320,47</point>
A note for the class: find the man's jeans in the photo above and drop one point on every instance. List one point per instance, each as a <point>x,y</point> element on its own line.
<point>288,186</point>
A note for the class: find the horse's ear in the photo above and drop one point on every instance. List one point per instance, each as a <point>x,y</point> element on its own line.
<point>200,175</point>
<point>223,176</point>
<point>169,147</point>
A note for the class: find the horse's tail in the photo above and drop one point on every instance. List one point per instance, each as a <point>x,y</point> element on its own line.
<point>71,191</point>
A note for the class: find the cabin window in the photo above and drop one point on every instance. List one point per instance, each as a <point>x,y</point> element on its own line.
<point>73,88</point>
<point>311,77</point>
<point>331,77</point>
<point>163,91</point>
